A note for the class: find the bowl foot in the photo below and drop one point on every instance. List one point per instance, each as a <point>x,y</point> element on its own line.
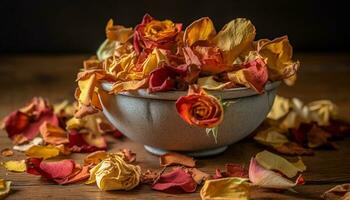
<point>200,153</point>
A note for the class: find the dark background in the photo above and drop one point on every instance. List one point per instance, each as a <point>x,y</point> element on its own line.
<point>44,26</point>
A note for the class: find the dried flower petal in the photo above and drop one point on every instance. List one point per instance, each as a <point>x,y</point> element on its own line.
<point>252,75</point>
<point>80,142</point>
<point>78,174</point>
<point>176,181</point>
<point>58,170</point>
<point>209,83</point>
<point>225,189</point>
<point>7,152</point>
<point>234,38</point>
<point>279,58</point>
<point>339,192</point>
<point>200,30</point>
<point>23,125</point>
<point>5,188</point>
<point>198,175</point>
<point>26,146</point>
<point>44,152</point>
<point>279,109</point>
<point>95,158</point>
<point>117,32</point>
<point>62,172</point>
<point>161,80</point>
<point>149,176</point>
<point>268,179</point>
<point>274,162</point>
<point>53,134</point>
<point>113,173</point>
<point>271,136</point>
<point>173,158</point>
<point>129,156</point>
<point>15,165</point>
<point>292,148</point>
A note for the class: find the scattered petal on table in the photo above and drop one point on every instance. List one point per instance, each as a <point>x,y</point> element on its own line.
<point>262,177</point>
<point>53,134</point>
<point>15,165</point>
<point>339,192</point>
<point>44,152</point>
<point>172,158</point>
<point>272,161</point>
<point>225,189</point>
<point>95,158</point>
<point>176,181</point>
<point>198,175</point>
<point>129,156</point>
<point>7,152</point>
<point>113,173</point>
<point>5,187</point>
<point>25,147</point>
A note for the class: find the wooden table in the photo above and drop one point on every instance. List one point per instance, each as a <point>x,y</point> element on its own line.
<point>321,76</point>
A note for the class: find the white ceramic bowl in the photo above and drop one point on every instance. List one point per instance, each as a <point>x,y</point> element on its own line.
<point>152,119</point>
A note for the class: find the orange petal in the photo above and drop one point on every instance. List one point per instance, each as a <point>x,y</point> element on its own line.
<point>172,158</point>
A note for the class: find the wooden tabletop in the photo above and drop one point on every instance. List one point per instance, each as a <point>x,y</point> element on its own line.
<point>322,76</point>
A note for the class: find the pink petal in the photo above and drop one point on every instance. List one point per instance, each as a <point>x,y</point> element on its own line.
<point>176,181</point>
<point>269,179</point>
<point>59,169</point>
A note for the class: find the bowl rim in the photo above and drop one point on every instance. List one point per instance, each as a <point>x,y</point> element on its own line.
<point>174,95</point>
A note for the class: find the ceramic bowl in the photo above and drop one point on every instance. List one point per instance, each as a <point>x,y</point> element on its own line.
<point>152,119</point>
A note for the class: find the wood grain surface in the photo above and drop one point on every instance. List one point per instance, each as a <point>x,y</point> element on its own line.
<point>322,76</point>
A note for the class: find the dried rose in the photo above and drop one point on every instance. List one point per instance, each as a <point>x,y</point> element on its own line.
<point>200,109</point>
<point>153,33</point>
<point>113,173</point>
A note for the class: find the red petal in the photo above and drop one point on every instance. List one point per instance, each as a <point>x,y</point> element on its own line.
<point>79,174</point>
<point>236,170</point>
<point>33,166</point>
<point>161,80</point>
<point>59,169</point>
<point>77,143</point>
<point>176,181</point>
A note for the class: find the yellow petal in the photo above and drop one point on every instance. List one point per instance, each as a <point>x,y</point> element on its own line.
<point>279,54</point>
<point>75,123</point>
<point>15,165</point>
<point>322,111</point>
<point>209,83</point>
<point>5,188</point>
<point>87,87</point>
<point>271,137</point>
<point>225,189</point>
<point>44,152</point>
<point>200,30</point>
<point>129,85</point>
<point>116,66</point>
<point>117,32</point>
<point>113,173</point>
<point>275,162</point>
<point>154,59</point>
<point>280,108</point>
<point>234,38</point>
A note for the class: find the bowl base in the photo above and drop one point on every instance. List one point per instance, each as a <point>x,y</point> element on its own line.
<point>200,153</point>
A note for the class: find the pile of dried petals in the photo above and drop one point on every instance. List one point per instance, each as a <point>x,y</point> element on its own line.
<point>295,128</point>
<point>162,55</point>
